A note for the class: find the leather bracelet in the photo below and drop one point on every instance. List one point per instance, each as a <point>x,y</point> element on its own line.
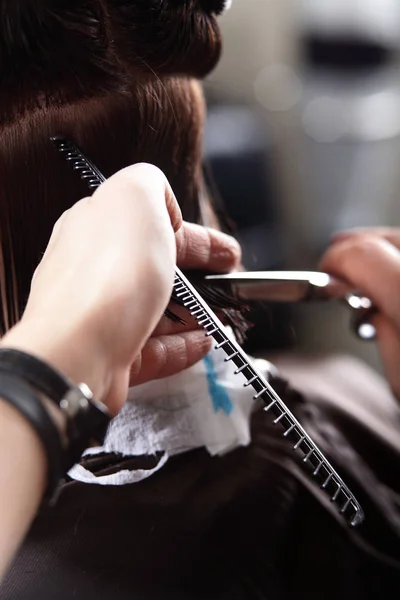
<point>20,395</point>
<point>87,420</point>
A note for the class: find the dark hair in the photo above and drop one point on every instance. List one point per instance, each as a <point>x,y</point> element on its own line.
<point>116,77</point>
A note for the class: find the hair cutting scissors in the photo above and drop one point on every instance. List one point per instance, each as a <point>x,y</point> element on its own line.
<point>300,286</point>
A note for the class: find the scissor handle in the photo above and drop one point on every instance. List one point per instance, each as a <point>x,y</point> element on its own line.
<point>362,312</point>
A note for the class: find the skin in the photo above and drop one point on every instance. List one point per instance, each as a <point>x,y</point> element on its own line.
<point>172,346</point>
<point>108,270</point>
<point>369,259</point>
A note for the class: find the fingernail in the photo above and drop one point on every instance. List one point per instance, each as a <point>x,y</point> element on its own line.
<point>226,239</point>
<point>200,338</point>
<point>230,251</point>
<point>225,256</point>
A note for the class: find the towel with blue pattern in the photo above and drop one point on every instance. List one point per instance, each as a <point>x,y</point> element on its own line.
<point>204,406</point>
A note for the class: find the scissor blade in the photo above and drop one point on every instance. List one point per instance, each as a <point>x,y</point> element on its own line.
<point>279,286</point>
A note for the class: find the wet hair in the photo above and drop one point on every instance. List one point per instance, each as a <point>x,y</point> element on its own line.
<point>118,78</point>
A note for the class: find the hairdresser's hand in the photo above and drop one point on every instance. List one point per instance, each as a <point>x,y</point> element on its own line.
<point>369,259</point>
<point>104,282</point>
<point>174,347</point>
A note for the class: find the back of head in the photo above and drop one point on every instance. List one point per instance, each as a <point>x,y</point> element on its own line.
<point>118,78</point>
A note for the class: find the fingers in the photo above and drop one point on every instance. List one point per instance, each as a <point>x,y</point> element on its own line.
<point>164,356</point>
<point>206,249</point>
<point>197,247</point>
<point>141,182</point>
<point>371,265</point>
<point>168,327</point>
<point>369,259</point>
<point>390,234</point>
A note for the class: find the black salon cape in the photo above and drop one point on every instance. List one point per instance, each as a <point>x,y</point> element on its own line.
<point>247,526</point>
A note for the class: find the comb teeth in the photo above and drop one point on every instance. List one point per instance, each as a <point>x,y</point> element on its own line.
<point>313,460</point>
<point>86,170</point>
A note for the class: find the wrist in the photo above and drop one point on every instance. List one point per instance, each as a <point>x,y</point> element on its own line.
<point>30,384</point>
<point>15,427</point>
<point>23,476</point>
<point>75,356</point>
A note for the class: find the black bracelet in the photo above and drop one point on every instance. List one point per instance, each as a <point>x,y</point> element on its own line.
<point>20,395</point>
<point>87,420</point>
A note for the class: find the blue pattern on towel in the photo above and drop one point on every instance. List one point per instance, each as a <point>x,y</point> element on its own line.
<point>218,393</point>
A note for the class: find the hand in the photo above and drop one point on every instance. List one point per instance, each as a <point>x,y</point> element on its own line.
<point>173,346</point>
<point>104,281</point>
<point>369,259</point>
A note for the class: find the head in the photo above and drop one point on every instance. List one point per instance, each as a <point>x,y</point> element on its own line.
<point>119,78</point>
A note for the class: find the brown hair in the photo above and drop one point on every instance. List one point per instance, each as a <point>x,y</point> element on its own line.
<point>114,76</point>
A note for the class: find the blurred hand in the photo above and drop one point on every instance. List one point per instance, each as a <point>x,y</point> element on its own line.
<point>369,259</point>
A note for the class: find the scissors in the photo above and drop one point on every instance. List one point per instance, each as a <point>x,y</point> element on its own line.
<point>300,286</point>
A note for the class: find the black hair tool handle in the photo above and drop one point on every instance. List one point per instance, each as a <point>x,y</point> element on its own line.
<point>312,458</point>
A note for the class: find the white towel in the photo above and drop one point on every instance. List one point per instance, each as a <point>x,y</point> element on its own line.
<point>204,406</point>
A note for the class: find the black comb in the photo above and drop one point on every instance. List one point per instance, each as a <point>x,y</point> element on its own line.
<point>313,459</point>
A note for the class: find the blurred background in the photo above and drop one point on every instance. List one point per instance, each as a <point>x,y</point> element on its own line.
<point>303,138</point>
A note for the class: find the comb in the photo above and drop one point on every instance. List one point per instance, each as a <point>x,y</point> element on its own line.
<point>312,459</point>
